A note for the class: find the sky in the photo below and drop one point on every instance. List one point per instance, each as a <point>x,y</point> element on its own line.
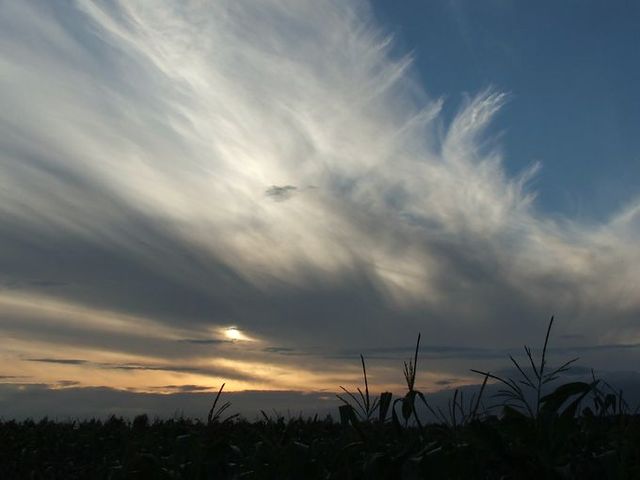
<point>255,193</point>
<point>570,67</point>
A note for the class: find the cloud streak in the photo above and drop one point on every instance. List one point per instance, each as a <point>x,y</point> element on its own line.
<point>143,145</point>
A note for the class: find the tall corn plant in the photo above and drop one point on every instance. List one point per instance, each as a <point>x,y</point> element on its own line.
<point>363,406</point>
<point>408,402</point>
<point>458,412</point>
<point>514,391</point>
<point>215,414</point>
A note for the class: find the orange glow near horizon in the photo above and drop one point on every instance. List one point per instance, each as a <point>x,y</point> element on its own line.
<point>136,353</point>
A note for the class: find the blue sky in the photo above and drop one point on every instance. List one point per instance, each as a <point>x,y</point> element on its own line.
<point>255,193</point>
<point>572,69</point>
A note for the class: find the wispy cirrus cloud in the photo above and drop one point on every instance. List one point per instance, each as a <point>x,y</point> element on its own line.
<point>141,148</point>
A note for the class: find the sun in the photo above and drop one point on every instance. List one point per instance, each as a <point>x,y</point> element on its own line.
<point>232,333</point>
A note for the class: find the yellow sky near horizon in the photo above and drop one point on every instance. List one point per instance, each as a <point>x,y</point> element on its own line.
<point>30,354</point>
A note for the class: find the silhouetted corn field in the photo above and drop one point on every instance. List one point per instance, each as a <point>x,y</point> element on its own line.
<point>579,430</point>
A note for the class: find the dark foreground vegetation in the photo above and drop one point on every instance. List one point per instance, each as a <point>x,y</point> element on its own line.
<point>577,430</point>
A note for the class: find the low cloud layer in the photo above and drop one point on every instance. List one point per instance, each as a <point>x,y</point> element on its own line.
<point>171,169</point>
<point>66,401</point>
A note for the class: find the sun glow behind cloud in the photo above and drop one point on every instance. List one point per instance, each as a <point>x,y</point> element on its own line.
<point>167,168</point>
<point>236,335</point>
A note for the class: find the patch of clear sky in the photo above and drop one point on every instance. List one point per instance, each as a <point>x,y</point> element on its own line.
<point>572,68</point>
